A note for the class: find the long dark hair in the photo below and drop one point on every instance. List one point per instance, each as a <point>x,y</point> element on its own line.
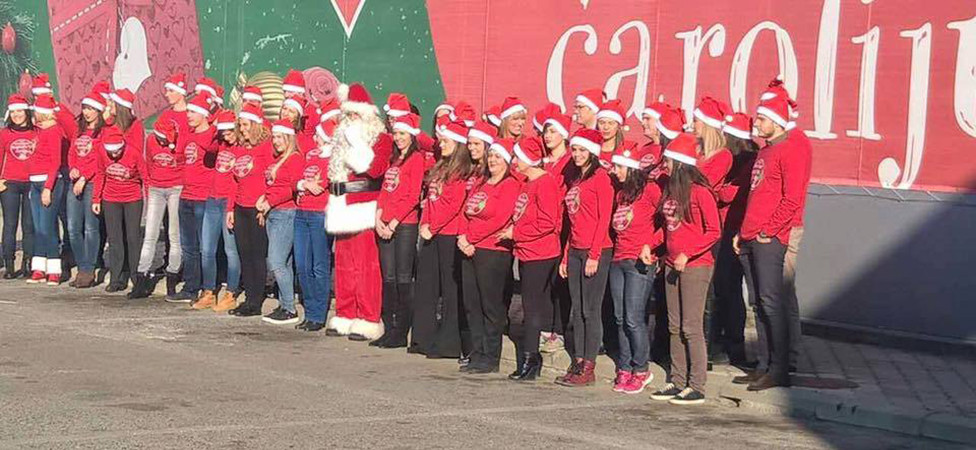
<point>629,190</point>
<point>457,165</point>
<point>395,154</point>
<point>682,179</point>
<point>592,165</point>
<point>548,150</point>
<point>124,117</point>
<point>83,124</point>
<point>26,126</point>
<point>738,145</point>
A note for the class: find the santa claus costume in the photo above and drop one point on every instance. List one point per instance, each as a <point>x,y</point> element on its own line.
<point>360,157</point>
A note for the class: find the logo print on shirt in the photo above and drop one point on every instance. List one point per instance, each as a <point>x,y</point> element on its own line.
<point>622,217</point>
<point>758,170</point>
<point>434,191</point>
<point>23,148</point>
<point>520,204</point>
<point>670,207</point>
<point>243,166</point>
<point>572,200</point>
<point>648,160</point>
<point>476,203</point>
<point>225,161</point>
<point>118,171</point>
<point>391,179</point>
<point>164,159</point>
<point>83,145</point>
<point>190,152</point>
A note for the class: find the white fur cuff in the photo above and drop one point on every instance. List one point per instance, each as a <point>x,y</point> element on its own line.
<point>371,330</point>
<point>341,325</point>
<point>342,218</point>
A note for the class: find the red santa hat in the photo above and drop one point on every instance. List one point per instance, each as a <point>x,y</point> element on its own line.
<point>409,123</point>
<point>712,112</point>
<point>253,113</point>
<point>124,97</point>
<point>512,106</point>
<point>45,104</point>
<point>294,82</point>
<point>504,148</point>
<point>226,120</point>
<point>283,126</point>
<point>207,85</point>
<point>529,150</point>
<point>592,98</point>
<point>176,83</point>
<point>328,109</point>
<point>356,99</point>
<point>166,129</point>
<point>397,105</point>
<point>671,123</point>
<point>463,112</point>
<point>112,139</point>
<point>219,98</point>
<point>103,89</point>
<point>17,102</point>
<point>684,149</point>
<point>543,114</point>
<point>446,106</point>
<point>455,131</point>
<point>738,125</point>
<point>94,100</point>
<point>491,116</point>
<point>441,123</point>
<point>325,130</point>
<point>656,109</point>
<point>629,155</point>
<point>482,131</point>
<point>200,104</point>
<point>561,123</point>
<point>41,84</point>
<point>296,103</point>
<point>779,110</point>
<point>252,94</point>
<point>589,139</point>
<point>613,110</point>
<point>775,88</point>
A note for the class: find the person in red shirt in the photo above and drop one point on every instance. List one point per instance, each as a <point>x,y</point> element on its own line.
<point>84,227</point>
<point>635,239</point>
<point>588,103</point>
<point>397,217</point>
<point>313,246</point>
<point>479,139</point>
<point>513,116</point>
<point>438,258</point>
<point>119,113</point>
<point>17,142</point>
<point>118,194</point>
<point>610,124</point>
<point>535,233</point>
<point>715,159</point>
<point>175,91</point>
<point>691,229</point>
<point>46,188</point>
<point>486,265</point>
<point>586,257</point>
<point>295,110</point>
<point>653,148</point>
<point>557,162</point>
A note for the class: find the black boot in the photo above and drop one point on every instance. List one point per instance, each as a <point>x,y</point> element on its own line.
<point>140,288</point>
<point>530,367</point>
<point>172,279</point>
<point>389,305</point>
<point>11,271</point>
<point>519,361</point>
<point>403,316</point>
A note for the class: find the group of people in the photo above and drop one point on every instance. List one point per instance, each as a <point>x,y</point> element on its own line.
<point>424,230</point>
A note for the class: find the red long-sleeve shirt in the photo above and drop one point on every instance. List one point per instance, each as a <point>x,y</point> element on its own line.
<point>281,186</point>
<point>83,155</point>
<point>589,204</point>
<point>652,158</point>
<point>178,117</point>
<point>249,168</point>
<point>165,165</point>
<point>537,219</point>
<point>780,177</point>
<point>734,194</point>
<point>46,160</point>
<point>18,148</point>
<point>716,168</point>
<point>400,197</point>
<point>135,138</point>
<point>197,177</point>
<point>316,166</point>
<point>442,206</point>
<point>695,234</point>
<point>224,184</point>
<point>802,143</point>
<point>488,211</point>
<point>633,224</point>
<point>119,180</point>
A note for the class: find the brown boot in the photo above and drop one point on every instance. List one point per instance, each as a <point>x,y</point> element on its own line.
<point>584,375</point>
<point>227,302</point>
<point>574,367</point>
<point>206,301</point>
<point>84,280</point>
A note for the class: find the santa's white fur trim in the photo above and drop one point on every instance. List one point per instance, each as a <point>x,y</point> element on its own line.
<point>343,218</point>
<point>342,92</point>
<point>341,325</point>
<point>54,266</point>
<point>371,330</point>
<point>39,263</point>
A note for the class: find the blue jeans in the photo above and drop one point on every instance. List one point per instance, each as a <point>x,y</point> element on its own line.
<point>631,282</point>
<point>84,229</point>
<point>191,226</point>
<point>313,248</point>
<point>46,222</point>
<point>214,227</point>
<point>281,237</point>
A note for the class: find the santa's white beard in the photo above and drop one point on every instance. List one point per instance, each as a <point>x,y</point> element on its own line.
<point>371,127</point>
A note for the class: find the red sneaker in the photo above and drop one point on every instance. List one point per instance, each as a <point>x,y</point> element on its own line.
<point>53,279</point>
<point>638,381</point>
<point>623,379</point>
<point>36,277</point>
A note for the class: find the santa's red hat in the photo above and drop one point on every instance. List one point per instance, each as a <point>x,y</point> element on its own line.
<point>409,123</point>
<point>207,85</point>
<point>103,89</point>
<point>356,99</point>
<point>397,105</point>
<point>94,100</point>
<point>328,109</point>
<point>738,125</point>
<point>455,131</point>
<point>252,94</point>
<point>656,109</point>
<point>112,139</point>
<point>176,83</point>
<point>166,129</point>
<point>294,82</point>
<point>629,155</point>
<point>124,97</point>
<point>512,106</point>
<point>504,148</point>
<point>283,126</point>
<point>613,110</point>
<point>17,102</point>
<point>529,150</point>
<point>253,113</point>
<point>671,123</point>
<point>592,98</point>
<point>712,112</point>
<point>44,104</point>
<point>296,103</point>
<point>200,104</point>
<point>482,131</point>
<point>561,123</point>
<point>225,120</point>
<point>684,149</point>
<point>41,84</point>
<point>464,113</point>
<point>491,116</point>
<point>779,110</point>
<point>589,139</point>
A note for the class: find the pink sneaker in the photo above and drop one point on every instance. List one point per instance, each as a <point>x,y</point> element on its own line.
<point>622,381</point>
<point>638,381</point>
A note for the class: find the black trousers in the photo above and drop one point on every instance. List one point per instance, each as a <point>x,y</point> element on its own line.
<point>398,257</point>
<point>538,279</point>
<point>660,335</point>
<point>561,301</point>
<point>763,267</point>
<point>252,245</point>
<point>484,280</point>
<point>725,311</point>
<point>586,314</point>
<point>124,238</point>
<point>16,205</point>
<point>435,316</point>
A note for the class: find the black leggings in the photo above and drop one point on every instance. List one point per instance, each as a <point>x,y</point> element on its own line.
<point>586,314</point>
<point>485,278</point>
<point>252,245</point>
<point>17,205</point>
<point>398,257</point>
<point>124,238</point>
<point>438,296</point>
<point>537,279</point>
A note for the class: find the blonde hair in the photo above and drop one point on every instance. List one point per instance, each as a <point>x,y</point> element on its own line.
<point>292,145</point>
<point>503,128</point>
<point>262,134</point>
<point>713,139</point>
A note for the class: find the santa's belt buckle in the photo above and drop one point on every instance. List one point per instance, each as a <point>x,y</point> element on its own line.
<point>337,188</point>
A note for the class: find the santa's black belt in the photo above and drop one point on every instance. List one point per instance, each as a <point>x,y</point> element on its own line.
<point>352,187</point>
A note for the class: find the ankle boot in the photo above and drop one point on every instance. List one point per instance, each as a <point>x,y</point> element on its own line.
<point>172,279</point>
<point>139,288</point>
<point>584,375</point>
<point>388,307</point>
<point>574,368</point>
<point>11,271</point>
<point>530,367</point>
<point>402,317</point>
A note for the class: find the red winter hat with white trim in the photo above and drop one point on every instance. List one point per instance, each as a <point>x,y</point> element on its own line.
<point>613,110</point>
<point>683,149</point>
<point>482,131</point>
<point>328,109</point>
<point>397,105</point>
<point>207,85</point>
<point>441,123</point>
<point>656,109</point>
<point>529,150</point>
<point>252,112</point>
<point>226,120</point>
<point>124,97</point>
<point>103,89</point>
<point>630,155</point>
<point>93,100</point>
<point>712,112</point>
<point>219,98</point>
<point>112,139</point>
<point>779,110</point>
<point>296,103</point>
<point>775,88</point>
<point>738,125</point>
<point>283,126</point>
<point>176,83</point>
<point>44,104</point>
<point>592,98</point>
<point>409,123</point>
<point>356,99</point>
<point>200,104</point>
<point>512,106</point>
<point>463,112</point>
<point>17,102</point>
<point>325,130</point>
<point>504,148</point>
<point>446,106</point>
<point>671,123</point>
<point>252,94</point>
<point>589,139</point>
<point>455,131</point>
<point>491,116</point>
<point>543,114</point>
<point>166,129</point>
<point>41,84</point>
<point>561,123</point>
<point>294,82</point>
